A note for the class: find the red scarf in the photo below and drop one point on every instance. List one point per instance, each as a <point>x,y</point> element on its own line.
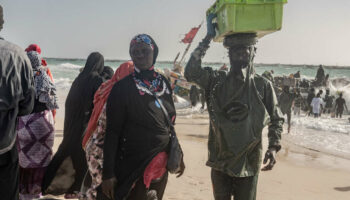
<point>101,97</point>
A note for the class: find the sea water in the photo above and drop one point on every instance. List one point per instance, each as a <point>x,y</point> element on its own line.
<point>324,134</point>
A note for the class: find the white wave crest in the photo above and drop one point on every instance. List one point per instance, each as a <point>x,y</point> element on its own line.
<point>63,83</point>
<point>325,134</point>
<point>69,66</point>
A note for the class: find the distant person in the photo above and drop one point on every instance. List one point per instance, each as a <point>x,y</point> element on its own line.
<point>297,75</point>
<point>36,48</point>
<point>339,106</point>
<point>16,99</point>
<point>320,92</point>
<point>309,99</point>
<point>107,72</point>
<point>95,133</point>
<point>194,95</point>
<point>224,67</point>
<point>35,132</point>
<point>298,103</point>
<point>329,102</point>
<point>320,76</point>
<point>317,105</point>
<point>70,156</point>
<point>326,80</point>
<point>202,98</point>
<point>268,75</point>
<point>285,101</point>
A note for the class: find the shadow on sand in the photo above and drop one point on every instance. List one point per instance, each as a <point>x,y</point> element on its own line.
<point>198,136</point>
<point>342,189</point>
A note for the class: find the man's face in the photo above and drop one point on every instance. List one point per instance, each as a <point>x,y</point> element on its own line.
<point>142,56</point>
<point>240,56</point>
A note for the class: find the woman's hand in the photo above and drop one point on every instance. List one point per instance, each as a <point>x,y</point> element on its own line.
<point>108,187</point>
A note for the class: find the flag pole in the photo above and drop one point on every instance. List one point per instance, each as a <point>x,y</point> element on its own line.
<point>189,45</point>
<point>185,52</point>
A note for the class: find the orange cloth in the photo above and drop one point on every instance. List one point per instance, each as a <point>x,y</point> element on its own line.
<point>48,71</point>
<point>101,97</point>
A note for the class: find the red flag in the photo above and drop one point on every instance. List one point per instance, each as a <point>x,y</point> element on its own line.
<point>190,35</point>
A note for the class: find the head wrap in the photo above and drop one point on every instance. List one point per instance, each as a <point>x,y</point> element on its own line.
<point>35,59</point>
<point>94,64</point>
<point>35,47</point>
<point>101,97</point>
<point>146,39</point>
<point>107,72</point>
<point>240,39</point>
<point>45,90</point>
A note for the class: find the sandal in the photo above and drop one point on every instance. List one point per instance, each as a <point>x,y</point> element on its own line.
<point>71,196</point>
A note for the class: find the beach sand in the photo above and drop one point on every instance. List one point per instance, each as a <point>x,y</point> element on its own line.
<point>300,174</point>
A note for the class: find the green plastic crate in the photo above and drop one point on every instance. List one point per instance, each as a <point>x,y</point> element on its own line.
<point>247,16</point>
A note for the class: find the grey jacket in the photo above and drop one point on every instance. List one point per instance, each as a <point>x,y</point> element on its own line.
<point>16,91</point>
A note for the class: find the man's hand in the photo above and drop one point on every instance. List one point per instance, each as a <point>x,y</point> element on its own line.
<point>211,26</point>
<point>182,169</point>
<point>108,187</point>
<point>269,155</point>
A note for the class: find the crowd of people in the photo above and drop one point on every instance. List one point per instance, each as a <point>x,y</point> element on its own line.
<point>118,126</point>
<point>291,99</point>
<point>119,141</point>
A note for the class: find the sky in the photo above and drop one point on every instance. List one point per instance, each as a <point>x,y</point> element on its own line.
<point>313,31</point>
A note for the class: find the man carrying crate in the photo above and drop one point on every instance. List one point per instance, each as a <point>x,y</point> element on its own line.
<point>240,103</point>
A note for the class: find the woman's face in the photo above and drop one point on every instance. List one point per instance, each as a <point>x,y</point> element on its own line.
<point>142,56</point>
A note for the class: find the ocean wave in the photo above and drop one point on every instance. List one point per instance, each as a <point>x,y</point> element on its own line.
<point>63,83</point>
<point>325,134</point>
<point>181,103</point>
<point>69,66</point>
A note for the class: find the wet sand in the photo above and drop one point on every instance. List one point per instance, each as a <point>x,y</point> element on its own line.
<point>300,174</point>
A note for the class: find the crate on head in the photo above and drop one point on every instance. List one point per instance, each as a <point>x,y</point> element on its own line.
<point>247,16</point>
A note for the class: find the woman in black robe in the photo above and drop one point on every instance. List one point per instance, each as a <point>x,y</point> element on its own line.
<point>137,135</point>
<point>68,167</point>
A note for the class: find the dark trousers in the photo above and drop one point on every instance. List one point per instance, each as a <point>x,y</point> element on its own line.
<point>140,192</point>
<point>9,175</point>
<point>339,113</point>
<point>241,188</point>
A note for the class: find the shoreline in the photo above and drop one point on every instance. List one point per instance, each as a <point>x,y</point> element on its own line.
<point>300,173</point>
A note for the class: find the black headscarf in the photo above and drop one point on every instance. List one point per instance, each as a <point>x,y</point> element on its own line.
<point>94,64</point>
<point>107,72</point>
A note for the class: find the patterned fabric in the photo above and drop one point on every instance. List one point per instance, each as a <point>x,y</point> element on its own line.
<point>35,137</point>
<point>101,96</point>
<point>94,156</point>
<point>157,85</point>
<point>45,89</point>
<point>142,38</point>
<point>30,180</point>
